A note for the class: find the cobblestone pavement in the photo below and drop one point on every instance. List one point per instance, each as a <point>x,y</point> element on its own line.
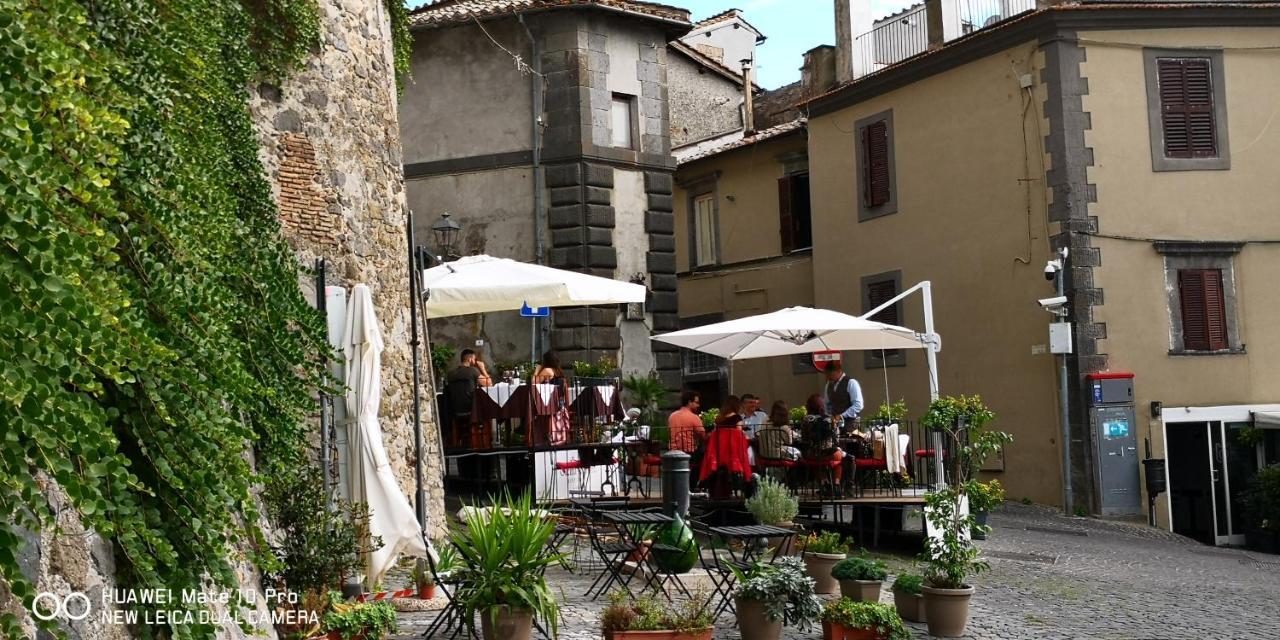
<point>1054,577</point>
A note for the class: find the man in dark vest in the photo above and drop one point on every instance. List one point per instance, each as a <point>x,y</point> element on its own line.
<point>842,395</point>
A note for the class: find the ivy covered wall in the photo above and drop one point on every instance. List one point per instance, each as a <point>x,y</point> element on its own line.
<point>160,359</point>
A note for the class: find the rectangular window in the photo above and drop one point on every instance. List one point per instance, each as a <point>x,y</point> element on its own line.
<point>877,290</point>
<point>704,230</point>
<point>878,189</point>
<point>794,218</point>
<point>1186,107</point>
<point>875,176</point>
<point>621,121</point>
<point>1186,110</point>
<point>1204,316</point>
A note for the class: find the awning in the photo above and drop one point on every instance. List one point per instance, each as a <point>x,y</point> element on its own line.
<point>1266,419</point>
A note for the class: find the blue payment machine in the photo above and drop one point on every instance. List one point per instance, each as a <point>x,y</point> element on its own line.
<point>1115,441</point>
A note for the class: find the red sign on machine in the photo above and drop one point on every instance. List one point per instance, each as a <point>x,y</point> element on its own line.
<point>822,358</point>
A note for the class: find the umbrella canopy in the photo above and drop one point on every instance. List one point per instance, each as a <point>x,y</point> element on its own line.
<point>791,331</point>
<point>480,284</point>
<point>391,516</point>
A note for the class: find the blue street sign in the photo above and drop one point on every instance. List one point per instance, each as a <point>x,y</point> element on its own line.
<point>534,312</point>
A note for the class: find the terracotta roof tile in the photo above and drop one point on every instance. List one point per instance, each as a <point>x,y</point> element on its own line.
<point>760,136</point>
<point>449,12</point>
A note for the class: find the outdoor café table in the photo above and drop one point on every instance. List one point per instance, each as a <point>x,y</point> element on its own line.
<point>750,535</point>
<point>623,520</point>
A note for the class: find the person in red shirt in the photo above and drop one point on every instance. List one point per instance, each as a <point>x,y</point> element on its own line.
<point>684,426</point>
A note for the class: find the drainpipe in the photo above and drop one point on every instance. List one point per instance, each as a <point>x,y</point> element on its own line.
<point>539,212</point>
<point>748,112</point>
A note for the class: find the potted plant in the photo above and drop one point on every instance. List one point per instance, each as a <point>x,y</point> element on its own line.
<point>423,581</point>
<point>860,577</point>
<point>358,620</point>
<point>768,596</point>
<point>821,553</point>
<point>847,619</point>
<point>890,412</point>
<point>646,393</point>
<point>709,418</point>
<point>502,558</point>
<point>1263,503</point>
<point>983,497</point>
<point>773,504</point>
<point>950,556</point>
<point>648,619</point>
<point>907,597</point>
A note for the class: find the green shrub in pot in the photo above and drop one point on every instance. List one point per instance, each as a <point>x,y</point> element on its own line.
<point>771,595</point>
<point>502,559</point>
<point>772,502</point>
<point>869,616</point>
<point>364,620</point>
<point>860,577</point>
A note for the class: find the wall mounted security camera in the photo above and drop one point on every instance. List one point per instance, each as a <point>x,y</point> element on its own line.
<point>1053,304</point>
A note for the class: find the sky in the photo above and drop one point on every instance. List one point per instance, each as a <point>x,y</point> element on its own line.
<point>791,27</point>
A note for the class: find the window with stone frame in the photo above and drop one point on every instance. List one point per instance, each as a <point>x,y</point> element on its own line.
<point>876,172</point>
<point>622,121</point>
<point>1186,109</point>
<point>876,290</point>
<point>1200,281</point>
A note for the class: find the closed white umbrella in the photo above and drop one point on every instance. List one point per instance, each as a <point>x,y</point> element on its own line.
<point>481,284</point>
<point>371,479</point>
<point>795,330</point>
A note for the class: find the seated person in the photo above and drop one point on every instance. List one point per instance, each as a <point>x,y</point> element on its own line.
<point>684,427</point>
<point>460,389</point>
<point>820,436</point>
<point>753,418</point>
<point>777,444</point>
<point>726,464</point>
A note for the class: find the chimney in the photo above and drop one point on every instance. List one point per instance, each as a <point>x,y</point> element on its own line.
<point>748,114</point>
<point>819,71</point>
<point>942,22</point>
<point>853,18</point>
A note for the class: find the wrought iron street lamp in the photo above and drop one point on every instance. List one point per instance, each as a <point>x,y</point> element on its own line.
<point>446,232</point>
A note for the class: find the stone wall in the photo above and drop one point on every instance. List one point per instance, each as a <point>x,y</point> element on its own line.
<point>330,144</point>
<point>703,103</point>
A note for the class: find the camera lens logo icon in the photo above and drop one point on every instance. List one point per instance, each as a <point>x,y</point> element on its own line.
<point>48,606</point>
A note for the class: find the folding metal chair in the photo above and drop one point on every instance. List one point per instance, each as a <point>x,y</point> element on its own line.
<point>613,547</point>
<point>718,569</point>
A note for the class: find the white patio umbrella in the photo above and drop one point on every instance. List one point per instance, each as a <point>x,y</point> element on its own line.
<point>371,479</point>
<point>480,284</point>
<point>794,330</point>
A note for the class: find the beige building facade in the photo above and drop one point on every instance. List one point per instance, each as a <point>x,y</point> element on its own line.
<point>972,164</point>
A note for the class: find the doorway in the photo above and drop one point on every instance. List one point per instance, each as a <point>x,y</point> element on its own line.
<point>1203,460</point>
<point>1190,480</point>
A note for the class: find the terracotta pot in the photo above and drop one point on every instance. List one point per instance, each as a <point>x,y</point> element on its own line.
<point>753,624</point>
<point>947,611</point>
<point>818,566</point>
<point>511,624</point>
<point>837,631</point>
<point>861,590</point>
<point>704,634</point>
<point>426,591</point>
<point>910,606</point>
<point>790,548</point>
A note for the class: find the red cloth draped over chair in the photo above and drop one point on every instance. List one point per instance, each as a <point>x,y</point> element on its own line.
<point>726,450</point>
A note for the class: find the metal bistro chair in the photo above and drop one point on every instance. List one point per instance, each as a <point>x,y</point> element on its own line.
<point>613,547</point>
<point>769,452</point>
<point>718,569</point>
<point>449,622</point>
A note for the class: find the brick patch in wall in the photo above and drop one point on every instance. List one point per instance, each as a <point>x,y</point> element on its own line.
<point>304,203</point>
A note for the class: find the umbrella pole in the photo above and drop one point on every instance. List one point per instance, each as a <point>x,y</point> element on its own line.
<point>321,304</point>
<point>419,504</point>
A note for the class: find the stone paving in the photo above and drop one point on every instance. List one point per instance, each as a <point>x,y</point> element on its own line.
<point>1054,577</point>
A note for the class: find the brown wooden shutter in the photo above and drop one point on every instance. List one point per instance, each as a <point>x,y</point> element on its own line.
<point>879,293</point>
<point>1204,312</point>
<point>786,227</point>
<point>875,149</point>
<point>1186,106</point>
